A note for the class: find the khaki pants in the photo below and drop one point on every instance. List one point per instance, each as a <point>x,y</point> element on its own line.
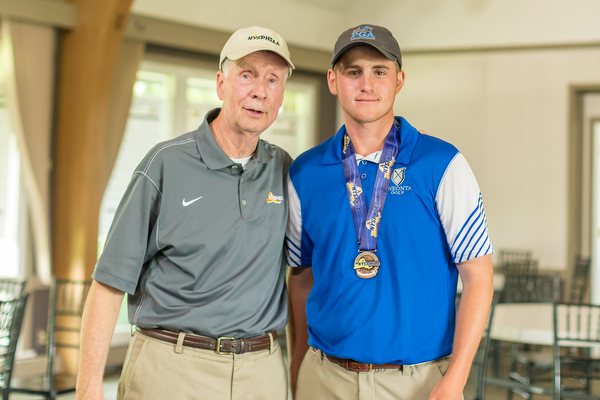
<point>321,379</point>
<point>153,370</point>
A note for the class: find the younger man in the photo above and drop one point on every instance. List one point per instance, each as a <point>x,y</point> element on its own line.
<point>382,221</point>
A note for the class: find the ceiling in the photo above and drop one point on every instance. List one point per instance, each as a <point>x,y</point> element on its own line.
<point>333,5</point>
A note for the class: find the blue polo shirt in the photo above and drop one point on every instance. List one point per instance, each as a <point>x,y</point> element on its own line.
<point>433,218</point>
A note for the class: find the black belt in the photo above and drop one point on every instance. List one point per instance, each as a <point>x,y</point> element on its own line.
<point>222,345</point>
<point>356,366</point>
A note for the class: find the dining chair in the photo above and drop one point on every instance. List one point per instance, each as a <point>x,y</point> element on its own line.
<point>537,363</point>
<point>575,325</point>
<point>560,326</point>
<point>529,267</point>
<point>507,256</point>
<point>11,318</point>
<point>512,261</point>
<point>11,288</point>
<point>580,368</point>
<point>66,302</point>
<point>580,282</point>
<point>530,288</point>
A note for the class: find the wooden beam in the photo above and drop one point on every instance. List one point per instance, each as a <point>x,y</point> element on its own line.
<point>86,62</point>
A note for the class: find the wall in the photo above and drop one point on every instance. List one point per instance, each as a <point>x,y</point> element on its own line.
<point>303,24</point>
<point>440,24</point>
<point>418,24</point>
<point>507,112</point>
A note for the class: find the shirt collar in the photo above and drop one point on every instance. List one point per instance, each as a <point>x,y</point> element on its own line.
<point>408,139</point>
<point>211,153</point>
<point>373,157</point>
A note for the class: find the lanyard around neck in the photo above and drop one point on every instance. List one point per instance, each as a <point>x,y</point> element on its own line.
<point>363,218</point>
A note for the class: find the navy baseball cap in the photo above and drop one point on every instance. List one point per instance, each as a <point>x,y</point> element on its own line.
<point>372,35</point>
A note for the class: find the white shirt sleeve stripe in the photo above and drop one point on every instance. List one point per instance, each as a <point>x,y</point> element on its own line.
<point>294,228</point>
<point>460,207</point>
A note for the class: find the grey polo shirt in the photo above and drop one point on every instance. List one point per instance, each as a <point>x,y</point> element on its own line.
<point>197,240</point>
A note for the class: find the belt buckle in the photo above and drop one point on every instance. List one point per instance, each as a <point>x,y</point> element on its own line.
<point>369,367</point>
<point>219,345</point>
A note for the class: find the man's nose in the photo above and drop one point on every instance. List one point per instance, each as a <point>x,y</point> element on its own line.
<point>260,90</point>
<point>367,82</point>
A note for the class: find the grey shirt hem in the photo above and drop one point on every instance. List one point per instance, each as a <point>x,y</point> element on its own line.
<point>114,282</point>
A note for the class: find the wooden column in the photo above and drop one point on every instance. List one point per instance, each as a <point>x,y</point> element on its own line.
<point>86,60</point>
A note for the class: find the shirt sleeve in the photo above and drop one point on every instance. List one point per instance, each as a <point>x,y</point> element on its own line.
<point>460,207</point>
<point>294,227</point>
<point>127,245</point>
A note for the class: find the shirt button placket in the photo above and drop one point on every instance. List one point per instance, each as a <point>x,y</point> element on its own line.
<point>243,195</point>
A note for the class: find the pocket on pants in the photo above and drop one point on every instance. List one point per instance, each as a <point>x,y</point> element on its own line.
<point>443,365</point>
<point>135,353</point>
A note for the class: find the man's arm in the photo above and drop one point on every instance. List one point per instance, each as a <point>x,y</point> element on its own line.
<point>99,320</point>
<point>478,290</point>
<point>300,282</point>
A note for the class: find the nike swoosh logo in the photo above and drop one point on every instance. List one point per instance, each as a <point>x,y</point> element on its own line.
<point>187,203</point>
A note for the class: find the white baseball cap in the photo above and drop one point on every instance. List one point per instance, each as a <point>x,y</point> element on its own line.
<point>248,40</point>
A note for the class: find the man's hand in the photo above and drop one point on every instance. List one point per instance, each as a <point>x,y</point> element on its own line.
<point>446,390</point>
<point>300,282</point>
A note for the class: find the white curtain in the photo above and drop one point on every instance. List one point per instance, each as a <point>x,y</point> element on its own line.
<point>29,61</point>
<point>121,92</point>
<point>28,58</point>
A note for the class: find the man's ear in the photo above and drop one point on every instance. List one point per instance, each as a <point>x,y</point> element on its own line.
<point>331,80</point>
<point>399,81</point>
<point>221,85</point>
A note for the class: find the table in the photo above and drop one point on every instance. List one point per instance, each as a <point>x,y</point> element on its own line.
<point>533,323</point>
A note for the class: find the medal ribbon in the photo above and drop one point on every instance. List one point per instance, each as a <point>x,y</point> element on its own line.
<point>363,218</point>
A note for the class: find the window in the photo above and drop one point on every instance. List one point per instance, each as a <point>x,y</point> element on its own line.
<point>9,193</point>
<point>595,237</point>
<point>149,122</point>
<point>293,130</point>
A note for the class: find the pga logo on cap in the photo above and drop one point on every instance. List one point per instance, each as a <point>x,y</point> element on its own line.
<point>364,32</point>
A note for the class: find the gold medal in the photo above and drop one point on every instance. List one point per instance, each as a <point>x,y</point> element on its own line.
<point>366,265</point>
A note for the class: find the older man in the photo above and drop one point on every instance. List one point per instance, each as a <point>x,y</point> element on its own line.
<point>197,243</point>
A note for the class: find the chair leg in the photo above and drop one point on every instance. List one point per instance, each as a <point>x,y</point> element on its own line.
<point>588,379</point>
<point>512,366</point>
<point>531,371</point>
<point>557,383</point>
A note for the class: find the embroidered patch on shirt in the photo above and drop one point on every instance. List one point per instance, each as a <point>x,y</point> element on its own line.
<point>271,198</point>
